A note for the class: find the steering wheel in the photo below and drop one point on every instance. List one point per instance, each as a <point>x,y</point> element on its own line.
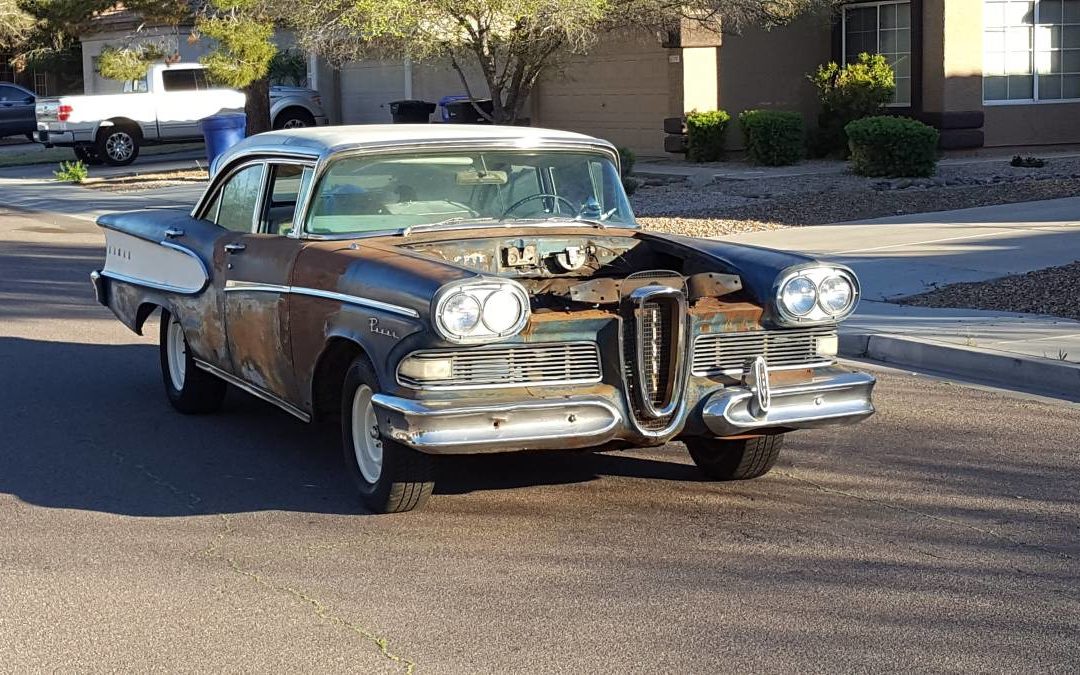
<point>538,195</point>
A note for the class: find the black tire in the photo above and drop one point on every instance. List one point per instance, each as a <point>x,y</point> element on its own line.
<point>735,460</point>
<point>118,145</point>
<point>87,155</point>
<point>199,391</point>
<point>294,118</point>
<point>406,477</point>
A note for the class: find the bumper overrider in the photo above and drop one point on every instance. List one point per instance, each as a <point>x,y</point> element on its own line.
<point>574,422</point>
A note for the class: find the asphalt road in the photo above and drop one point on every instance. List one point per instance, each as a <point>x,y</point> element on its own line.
<point>942,535</point>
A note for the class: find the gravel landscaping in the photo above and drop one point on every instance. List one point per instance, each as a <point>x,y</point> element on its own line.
<point>1052,291</point>
<point>729,205</point>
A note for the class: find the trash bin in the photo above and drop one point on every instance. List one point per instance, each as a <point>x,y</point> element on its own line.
<point>459,109</point>
<point>411,112</point>
<point>221,132</point>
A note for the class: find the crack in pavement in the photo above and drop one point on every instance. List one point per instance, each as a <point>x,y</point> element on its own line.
<point>915,512</point>
<point>216,549</point>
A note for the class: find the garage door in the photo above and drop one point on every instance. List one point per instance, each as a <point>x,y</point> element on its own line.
<point>619,92</point>
<point>367,89</point>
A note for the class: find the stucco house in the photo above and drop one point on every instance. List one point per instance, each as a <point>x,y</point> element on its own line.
<point>986,72</point>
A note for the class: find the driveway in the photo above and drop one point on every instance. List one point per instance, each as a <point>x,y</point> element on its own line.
<point>939,536</point>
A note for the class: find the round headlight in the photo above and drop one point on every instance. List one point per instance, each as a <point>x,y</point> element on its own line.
<point>502,311</point>
<point>835,294</point>
<point>799,296</point>
<point>460,314</point>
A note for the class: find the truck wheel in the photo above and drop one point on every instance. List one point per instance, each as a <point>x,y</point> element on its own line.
<point>87,155</point>
<point>390,477</point>
<point>118,145</point>
<point>294,118</point>
<point>735,460</point>
<point>190,390</point>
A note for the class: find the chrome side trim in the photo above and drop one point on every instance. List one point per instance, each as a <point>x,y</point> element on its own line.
<point>838,399</point>
<point>572,422</point>
<point>188,252</point>
<point>253,390</point>
<point>150,284</point>
<point>234,286</point>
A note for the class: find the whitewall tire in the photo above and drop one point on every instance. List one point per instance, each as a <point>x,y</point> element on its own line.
<point>189,389</point>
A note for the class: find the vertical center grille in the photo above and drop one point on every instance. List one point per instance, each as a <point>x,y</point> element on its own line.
<point>655,339</point>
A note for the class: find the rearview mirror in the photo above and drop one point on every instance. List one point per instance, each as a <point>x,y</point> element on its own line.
<point>474,177</point>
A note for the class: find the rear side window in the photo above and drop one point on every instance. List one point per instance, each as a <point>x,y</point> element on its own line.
<point>190,79</point>
<point>238,200</point>
<point>288,184</point>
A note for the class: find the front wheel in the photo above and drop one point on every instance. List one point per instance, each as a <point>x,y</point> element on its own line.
<point>190,390</point>
<point>389,477</point>
<point>741,459</point>
<point>118,145</point>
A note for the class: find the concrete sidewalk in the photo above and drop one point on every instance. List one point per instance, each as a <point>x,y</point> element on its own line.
<point>909,254</point>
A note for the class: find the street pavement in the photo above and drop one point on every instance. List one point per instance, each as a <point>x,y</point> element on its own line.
<point>941,535</point>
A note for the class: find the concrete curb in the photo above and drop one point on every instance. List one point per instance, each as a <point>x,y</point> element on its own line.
<point>1059,379</point>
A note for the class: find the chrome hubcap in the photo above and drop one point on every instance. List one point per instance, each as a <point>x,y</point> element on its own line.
<point>367,443</point>
<point>119,145</point>
<point>294,124</point>
<point>176,353</point>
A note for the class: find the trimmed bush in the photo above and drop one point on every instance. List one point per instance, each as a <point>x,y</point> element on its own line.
<point>72,172</point>
<point>848,93</point>
<point>773,137</point>
<point>705,135</point>
<point>892,147</point>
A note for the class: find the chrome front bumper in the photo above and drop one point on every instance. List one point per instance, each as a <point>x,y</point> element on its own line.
<point>574,422</point>
<point>449,428</point>
<point>838,399</point>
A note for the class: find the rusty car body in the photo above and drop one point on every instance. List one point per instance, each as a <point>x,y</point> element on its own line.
<point>457,289</point>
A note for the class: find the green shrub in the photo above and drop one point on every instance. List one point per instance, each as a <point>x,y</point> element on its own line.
<point>848,93</point>
<point>705,135</point>
<point>892,147</point>
<point>627,159</point>
<point>72,172</point>
<point>773,137</point>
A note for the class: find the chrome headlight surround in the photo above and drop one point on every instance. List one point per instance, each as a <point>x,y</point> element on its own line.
<point>502,292</point>
<point>819,313</point>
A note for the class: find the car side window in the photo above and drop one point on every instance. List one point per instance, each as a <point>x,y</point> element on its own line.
<point>238,200</point>
<point>288,185</point>
<point>186,79</point>
<point>11,94</point>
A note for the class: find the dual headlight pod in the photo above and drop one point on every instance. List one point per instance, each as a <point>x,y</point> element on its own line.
<point>817,294</point>
<point>480,311</point>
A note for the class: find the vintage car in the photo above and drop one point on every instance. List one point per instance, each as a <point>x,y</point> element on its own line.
<point>450,289</point>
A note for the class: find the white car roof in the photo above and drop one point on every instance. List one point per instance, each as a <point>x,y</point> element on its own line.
<point>321,142</point>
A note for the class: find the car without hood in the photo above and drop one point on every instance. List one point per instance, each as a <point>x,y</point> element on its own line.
<point>469,289</point>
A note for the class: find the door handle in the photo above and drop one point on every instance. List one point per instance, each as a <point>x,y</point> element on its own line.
<point>234,248</point>
<point>173,233</point>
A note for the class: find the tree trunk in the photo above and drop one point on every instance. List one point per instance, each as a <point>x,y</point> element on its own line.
<point>257,106</point>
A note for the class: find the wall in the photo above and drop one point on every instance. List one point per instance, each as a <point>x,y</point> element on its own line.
<point>768,68</point>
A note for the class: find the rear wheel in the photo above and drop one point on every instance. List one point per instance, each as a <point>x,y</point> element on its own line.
<point>118,145</point>
<point>190,390</point>
<point>389,477</point>
<point>87,155</point>
<point>735,459</point>
<point>294,118</point>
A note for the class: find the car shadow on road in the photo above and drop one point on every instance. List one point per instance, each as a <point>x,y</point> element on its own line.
<point>88,427</point>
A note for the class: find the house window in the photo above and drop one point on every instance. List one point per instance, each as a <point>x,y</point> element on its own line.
<point>882,28</point>
<point>1031,50</point>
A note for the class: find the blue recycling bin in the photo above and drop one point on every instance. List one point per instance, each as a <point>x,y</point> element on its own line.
<point>221,132</point>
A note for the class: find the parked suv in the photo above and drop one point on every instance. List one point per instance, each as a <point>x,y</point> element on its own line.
<point>163,107</point>
<point>16,111</point>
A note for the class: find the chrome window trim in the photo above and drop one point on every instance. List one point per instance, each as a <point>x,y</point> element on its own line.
<point>510,385</point>
<point>245,160</point>
<point>234,286</point>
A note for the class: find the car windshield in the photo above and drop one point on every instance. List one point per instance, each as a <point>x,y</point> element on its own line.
<point>394,192</point>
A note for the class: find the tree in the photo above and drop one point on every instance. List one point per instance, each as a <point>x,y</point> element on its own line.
<point>15,26</point>
<point>511,42</point>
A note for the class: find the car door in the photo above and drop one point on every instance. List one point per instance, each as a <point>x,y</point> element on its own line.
<point>16,111</point>
<point>257,269</point>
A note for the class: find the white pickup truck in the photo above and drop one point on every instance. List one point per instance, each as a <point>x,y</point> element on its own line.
<point>164,107</point>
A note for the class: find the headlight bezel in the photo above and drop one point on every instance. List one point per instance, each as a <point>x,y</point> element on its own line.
<point>480,291</point>
<point>819,313</point>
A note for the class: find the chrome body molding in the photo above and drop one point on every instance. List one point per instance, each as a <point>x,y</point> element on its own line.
<point>233,286</point>
<point>842,398</point>
<point>253,390</point>
<point>442,428</point>
<point>156,285</point>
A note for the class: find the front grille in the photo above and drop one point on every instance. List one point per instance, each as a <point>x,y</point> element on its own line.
<point>655,352</point>
<point>556,363</point>
<point>728,353</point>
<point>654,343</point>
